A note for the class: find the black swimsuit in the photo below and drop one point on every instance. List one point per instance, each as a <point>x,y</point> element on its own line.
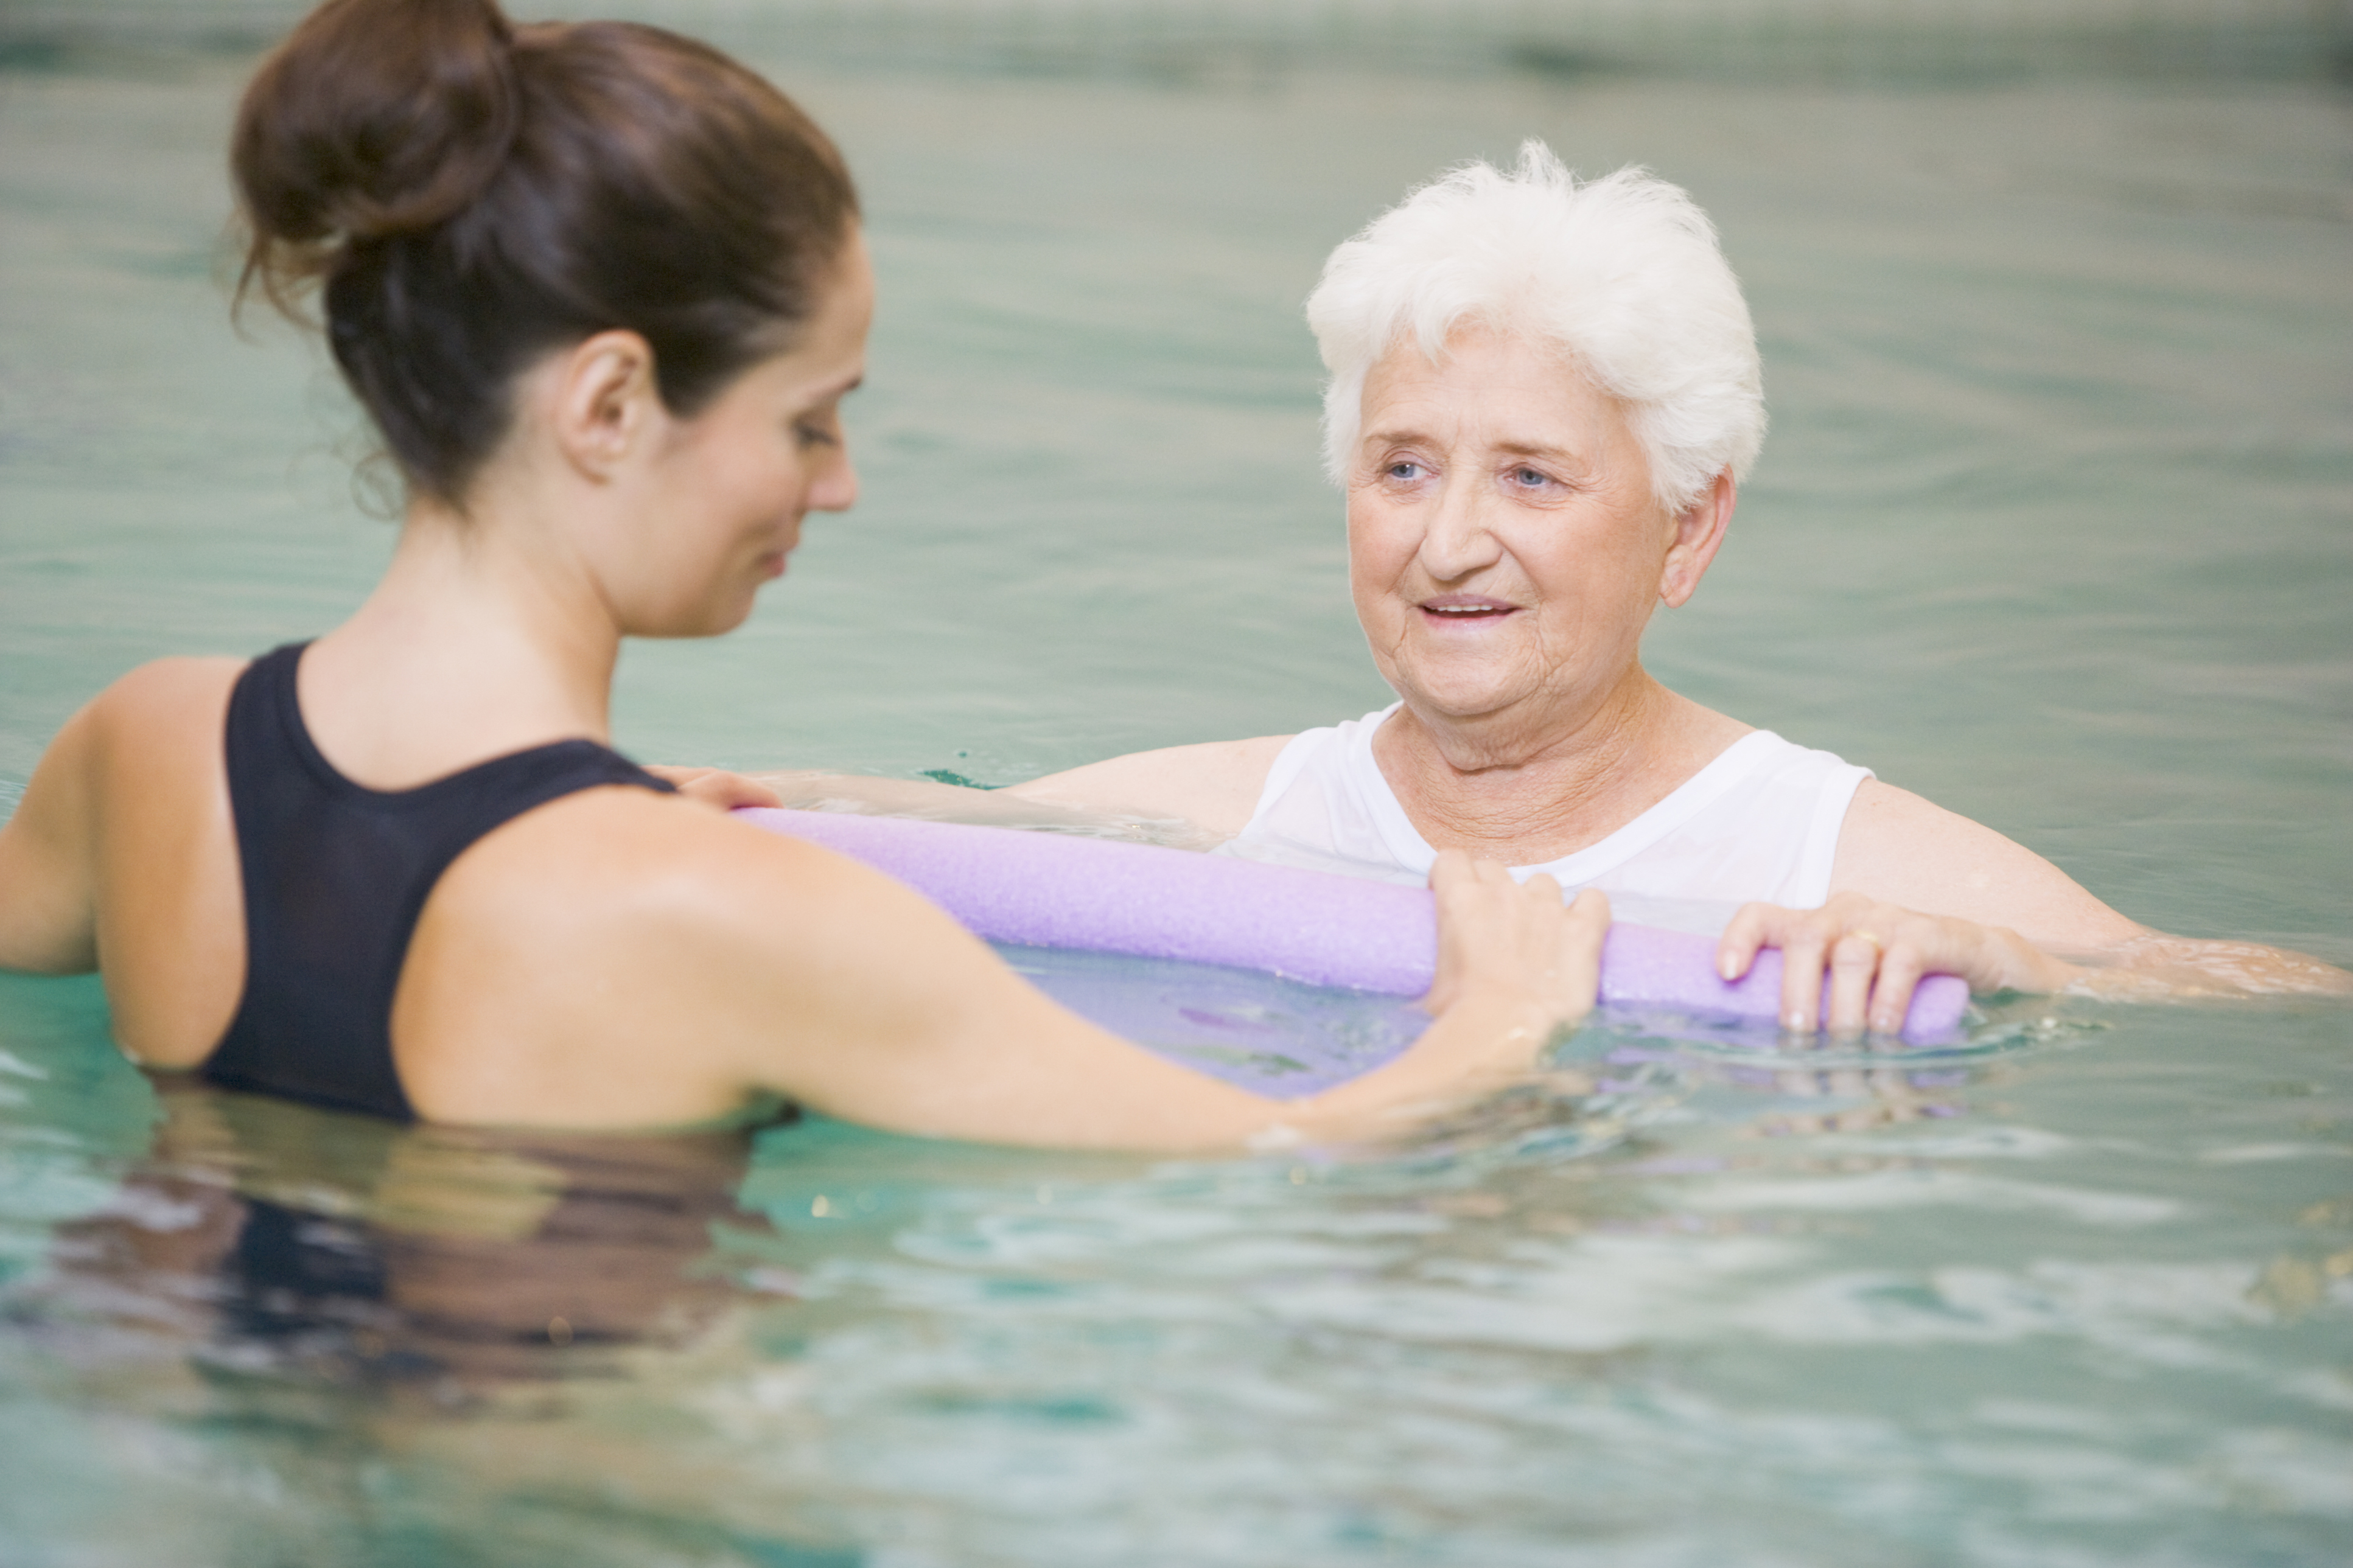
<point>335,877</point>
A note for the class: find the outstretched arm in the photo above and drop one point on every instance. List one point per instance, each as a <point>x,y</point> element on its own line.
<point>1214,787</point>
<point>688,962</point>
<point>1189,797</point>
<point>957,1045</point>
<point>1919,889</point>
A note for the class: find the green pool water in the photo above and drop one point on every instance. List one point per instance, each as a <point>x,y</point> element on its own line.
<point>2052,527</point>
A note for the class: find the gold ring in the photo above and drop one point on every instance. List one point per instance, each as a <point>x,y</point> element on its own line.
<point>1871,937</point>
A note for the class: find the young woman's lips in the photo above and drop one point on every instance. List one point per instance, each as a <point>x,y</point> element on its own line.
<point>1465,610</point>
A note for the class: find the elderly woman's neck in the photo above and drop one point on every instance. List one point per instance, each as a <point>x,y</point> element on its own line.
<point>1526,788</point>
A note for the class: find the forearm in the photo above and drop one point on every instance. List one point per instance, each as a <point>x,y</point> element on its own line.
<point>1476,1050</point>
<point>2154,967</point>
<point>952,803</point>
<point>960,1047</point>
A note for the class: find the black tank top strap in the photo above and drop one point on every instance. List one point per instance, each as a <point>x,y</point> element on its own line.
<point>335,877</point>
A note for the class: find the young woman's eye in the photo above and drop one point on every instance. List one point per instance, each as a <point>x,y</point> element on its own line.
<point>809,433</point>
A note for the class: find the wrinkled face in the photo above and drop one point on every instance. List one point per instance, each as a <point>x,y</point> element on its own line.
<point>732,485</point>
<point>1503,546</point>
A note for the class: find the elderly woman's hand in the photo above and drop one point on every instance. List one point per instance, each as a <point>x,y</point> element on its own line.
<point>1875,954</point>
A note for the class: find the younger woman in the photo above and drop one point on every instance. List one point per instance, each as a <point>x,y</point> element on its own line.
<point>602,290</point>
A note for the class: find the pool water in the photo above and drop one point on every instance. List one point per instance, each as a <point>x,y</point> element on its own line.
<point>2052,527</point>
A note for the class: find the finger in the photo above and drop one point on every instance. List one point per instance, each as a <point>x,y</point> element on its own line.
<point>1891,999</point>
<point>726,791</point>
<point>1495,874</point>
<point>751,792</point>
<point>1581,937</point>
<point>1737,949</point>
<point>1451,882</point>
<point>1854,960</point>
<point>1802,954</point>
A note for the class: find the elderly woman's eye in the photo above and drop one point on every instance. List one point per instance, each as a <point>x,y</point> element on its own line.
<point>1529,476</point>
<point>1403,468</point>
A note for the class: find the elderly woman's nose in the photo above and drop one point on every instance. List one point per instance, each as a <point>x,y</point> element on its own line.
<point>1456,538</point>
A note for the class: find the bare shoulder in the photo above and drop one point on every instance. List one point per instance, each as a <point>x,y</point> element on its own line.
<point>1907,850</point>
<point>141,758</point>
<point>165,699</point>
<point>1215,784</point>
<point>631,862</point>
<point>622,958</point>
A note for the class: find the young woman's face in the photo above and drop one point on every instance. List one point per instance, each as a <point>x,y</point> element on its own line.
<point>732,485</point>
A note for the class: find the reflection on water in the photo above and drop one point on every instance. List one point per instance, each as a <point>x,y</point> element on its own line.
<point>267,1241</point>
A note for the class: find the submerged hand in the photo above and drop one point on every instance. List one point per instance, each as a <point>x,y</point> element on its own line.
<point>716,787</point>
<point>1876,955</point>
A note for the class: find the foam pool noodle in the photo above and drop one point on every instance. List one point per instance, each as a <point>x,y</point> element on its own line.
<point>1062,890</point>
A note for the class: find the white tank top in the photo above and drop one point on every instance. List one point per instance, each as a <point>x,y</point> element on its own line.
<point>1761,821</point>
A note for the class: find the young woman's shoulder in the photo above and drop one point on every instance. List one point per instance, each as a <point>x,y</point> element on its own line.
<point>142,753</point>
<point>154,704</point>
<point>628,958</point>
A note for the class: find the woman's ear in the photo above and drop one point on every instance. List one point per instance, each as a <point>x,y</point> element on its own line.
<point>605,401</point>
<point>1698,534</point>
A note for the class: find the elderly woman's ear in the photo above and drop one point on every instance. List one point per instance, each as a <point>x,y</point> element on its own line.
<point>1698,531</point>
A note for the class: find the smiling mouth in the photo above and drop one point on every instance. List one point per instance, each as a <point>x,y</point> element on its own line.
<point>1467,610</point>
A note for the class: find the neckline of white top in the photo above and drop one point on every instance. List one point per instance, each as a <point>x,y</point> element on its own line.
<point>1726,769</point>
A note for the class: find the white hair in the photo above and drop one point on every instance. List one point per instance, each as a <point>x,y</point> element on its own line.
<point>1624,274</point>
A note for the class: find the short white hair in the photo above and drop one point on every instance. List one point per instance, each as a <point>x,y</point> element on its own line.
<point>1624,274</point>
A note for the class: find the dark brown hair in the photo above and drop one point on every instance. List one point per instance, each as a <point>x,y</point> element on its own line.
<point>472,195</point>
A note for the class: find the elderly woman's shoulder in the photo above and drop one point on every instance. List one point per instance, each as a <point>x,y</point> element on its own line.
<point>1214,785</point>
<point>1908,850</point>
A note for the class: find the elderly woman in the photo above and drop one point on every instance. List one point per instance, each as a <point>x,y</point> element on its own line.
<point>1544,395</point>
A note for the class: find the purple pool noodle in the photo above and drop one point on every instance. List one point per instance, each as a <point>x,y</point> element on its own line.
<point>1054,890</point>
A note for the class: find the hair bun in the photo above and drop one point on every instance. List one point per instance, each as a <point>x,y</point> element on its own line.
<point>376,118</point>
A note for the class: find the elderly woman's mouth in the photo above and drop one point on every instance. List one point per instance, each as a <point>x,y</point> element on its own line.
<point>1461,608</point>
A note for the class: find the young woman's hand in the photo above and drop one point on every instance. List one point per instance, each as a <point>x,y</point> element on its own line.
<point>1875,956</point>
<point>1503,943</point>
<point>716,787</point>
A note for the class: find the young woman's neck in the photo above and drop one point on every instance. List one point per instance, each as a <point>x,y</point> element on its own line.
<point>484,636</point>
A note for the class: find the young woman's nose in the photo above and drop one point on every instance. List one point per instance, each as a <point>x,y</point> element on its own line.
<point>835,486</point>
